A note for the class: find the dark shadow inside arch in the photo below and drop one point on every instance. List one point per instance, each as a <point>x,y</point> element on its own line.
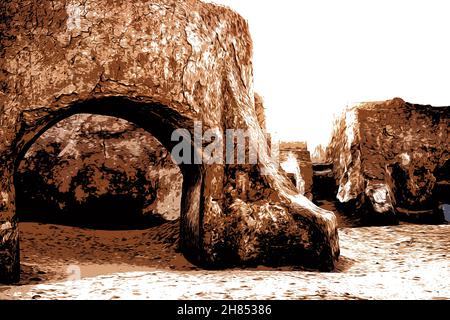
<point>160,121</point>
<point>106,212</point>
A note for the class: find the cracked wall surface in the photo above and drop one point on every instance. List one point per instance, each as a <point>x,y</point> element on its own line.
<point>162,65</point>
<point>391,161</point>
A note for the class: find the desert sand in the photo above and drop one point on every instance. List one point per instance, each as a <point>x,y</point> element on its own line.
<point>66,262</point>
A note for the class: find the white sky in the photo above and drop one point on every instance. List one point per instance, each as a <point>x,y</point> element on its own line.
<point>313,57</point>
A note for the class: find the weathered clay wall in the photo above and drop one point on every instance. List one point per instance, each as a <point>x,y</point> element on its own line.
<point>164,65</point>
<point>295,159</point>
<point>389,158</point>
<point>85,159</point>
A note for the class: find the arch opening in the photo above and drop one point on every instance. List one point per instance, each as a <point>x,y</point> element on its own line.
<point>98,172</point>
<point>165,86</point>
<point>158,120</point>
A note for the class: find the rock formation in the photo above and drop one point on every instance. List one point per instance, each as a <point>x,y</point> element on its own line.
<point>96,166</point>
<point>391,160</point>
<point>163,65</point>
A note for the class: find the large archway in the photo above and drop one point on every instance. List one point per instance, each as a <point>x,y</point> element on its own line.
<point>99,172</point>
<point>163,65</point>
<point>160,122</point>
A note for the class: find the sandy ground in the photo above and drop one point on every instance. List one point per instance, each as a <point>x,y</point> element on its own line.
<point>63,262</point>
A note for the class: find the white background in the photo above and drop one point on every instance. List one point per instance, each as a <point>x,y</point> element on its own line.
<point>313,57</point>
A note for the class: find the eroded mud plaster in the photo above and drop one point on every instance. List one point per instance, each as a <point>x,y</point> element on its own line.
<point>390,160</point>
<point>162,65</point>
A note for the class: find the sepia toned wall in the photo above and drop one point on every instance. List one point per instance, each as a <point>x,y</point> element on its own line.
<point>295,159</point>
<point>163,65</point>
<point>391,160</point>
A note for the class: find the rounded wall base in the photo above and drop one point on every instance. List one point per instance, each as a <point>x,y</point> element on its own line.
<point>9,255</point>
